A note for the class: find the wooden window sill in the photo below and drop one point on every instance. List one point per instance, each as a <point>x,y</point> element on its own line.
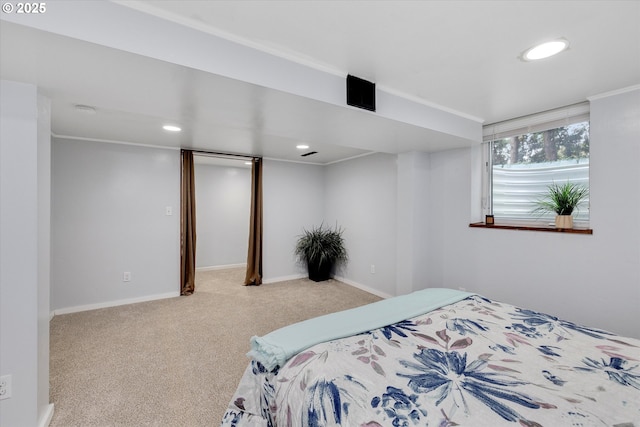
<point>532,228</point>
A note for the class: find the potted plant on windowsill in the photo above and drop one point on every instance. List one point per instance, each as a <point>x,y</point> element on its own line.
<point>320,249</point>
<point>563,200</point>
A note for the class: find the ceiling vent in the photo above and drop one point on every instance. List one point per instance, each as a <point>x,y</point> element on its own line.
<point>310,153</point>
<point>361,93</point>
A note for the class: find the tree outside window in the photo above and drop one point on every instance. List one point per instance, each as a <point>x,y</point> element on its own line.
<point>523,166</point>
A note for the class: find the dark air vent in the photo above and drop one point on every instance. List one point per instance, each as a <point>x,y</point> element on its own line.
<point>361,93</point>
<point>308,154</point>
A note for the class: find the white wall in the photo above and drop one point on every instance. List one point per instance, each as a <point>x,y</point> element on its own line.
<point>223,204</point>
<point>407,215</point>
<point>413,222</point>
<point>593,280</point>
<point>97,203</point>
<point>44,256</point>
<point>361,197</point>
<point>108,217</point>
<point>293,199</point>
<point>24,253</point>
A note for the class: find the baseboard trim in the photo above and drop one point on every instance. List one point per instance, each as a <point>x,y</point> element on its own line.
<point>283,278</point>
<point>45,419</point>
<point>116,303</point>
<point>221,267</point>
<point>363,287</point>
<point>338,278</point>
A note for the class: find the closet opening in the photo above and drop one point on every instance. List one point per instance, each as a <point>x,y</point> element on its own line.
<point>220,215</point>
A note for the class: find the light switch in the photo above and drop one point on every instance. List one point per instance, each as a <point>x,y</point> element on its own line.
<point>168,211</point>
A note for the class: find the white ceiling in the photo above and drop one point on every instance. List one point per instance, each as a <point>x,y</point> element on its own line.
<point>458,56</point>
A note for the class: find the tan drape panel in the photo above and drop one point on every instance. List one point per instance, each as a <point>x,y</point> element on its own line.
<point>187,225</point>
<point>254,256</point>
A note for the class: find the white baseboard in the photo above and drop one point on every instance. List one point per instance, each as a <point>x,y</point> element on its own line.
<point>339,278</point>
<point>221,267</point>
<point>283,278</point>
<point>116,303</point>
<point>363,287</point>
<point>45,419</point>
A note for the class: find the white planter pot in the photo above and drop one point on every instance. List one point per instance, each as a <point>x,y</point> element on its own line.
<point>564,221</point>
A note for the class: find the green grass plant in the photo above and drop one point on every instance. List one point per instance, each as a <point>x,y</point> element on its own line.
<point>562,199</point>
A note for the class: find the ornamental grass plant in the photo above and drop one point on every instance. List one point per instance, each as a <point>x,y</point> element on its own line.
<point>321,245</point>
<point>562,199</point>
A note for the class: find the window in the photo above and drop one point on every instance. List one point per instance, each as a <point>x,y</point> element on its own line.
<point>525,156</point>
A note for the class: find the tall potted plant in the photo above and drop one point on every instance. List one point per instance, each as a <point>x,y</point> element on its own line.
<point>563,200</point>
<point>320,248</point>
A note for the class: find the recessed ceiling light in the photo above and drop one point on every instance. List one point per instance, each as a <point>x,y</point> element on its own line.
<point>302,146</point>
<point>85,109</point>
<point>171,128</point>
<point>247,163</point>
<point>545,50</point>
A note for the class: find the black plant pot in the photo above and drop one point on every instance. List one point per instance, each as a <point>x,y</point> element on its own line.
<point>320,272</point>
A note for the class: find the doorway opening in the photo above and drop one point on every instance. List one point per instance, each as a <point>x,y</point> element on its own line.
<point>221,215</point>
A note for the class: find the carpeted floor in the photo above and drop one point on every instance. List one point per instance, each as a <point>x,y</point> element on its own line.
<point>174,362</point>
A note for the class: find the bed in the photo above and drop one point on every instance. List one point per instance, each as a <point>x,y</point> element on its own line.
<point>439,357</point>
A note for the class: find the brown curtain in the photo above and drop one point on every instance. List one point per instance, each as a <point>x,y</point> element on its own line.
<point>187,225</point>
<point>254,256</point>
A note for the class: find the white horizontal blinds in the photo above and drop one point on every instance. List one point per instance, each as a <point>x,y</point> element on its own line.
<point>539,122</point>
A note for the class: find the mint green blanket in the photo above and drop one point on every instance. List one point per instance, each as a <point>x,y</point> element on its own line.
<point>275,348</point>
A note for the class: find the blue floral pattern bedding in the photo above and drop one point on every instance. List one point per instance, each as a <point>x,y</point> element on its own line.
<point>475,363</point>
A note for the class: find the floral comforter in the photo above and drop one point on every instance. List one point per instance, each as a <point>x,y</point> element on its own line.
<point>475,363</point>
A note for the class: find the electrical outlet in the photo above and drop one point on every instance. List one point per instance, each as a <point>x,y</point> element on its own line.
<point>373,269</point>
<point>5,387</point>
<point>126,276</point>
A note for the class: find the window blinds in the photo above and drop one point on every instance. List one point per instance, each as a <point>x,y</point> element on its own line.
<point>539,122</point>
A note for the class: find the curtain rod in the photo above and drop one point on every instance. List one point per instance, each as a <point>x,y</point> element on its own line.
<point>223,155</point>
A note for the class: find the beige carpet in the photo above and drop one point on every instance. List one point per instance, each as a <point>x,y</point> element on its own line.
<point>174,362</point>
